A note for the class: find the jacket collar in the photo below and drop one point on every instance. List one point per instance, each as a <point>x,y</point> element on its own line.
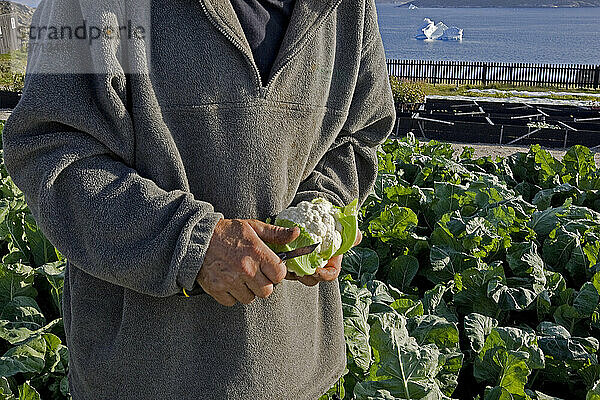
<point>306,18</point>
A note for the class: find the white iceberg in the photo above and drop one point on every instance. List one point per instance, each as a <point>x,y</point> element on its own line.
<point>425,30</point>
<point>439,30</point>
<point>452,33</point>
<point>432,31</point>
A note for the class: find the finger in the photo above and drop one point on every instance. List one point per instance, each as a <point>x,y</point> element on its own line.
<point>308,280</point>
<point>335,262</point>
<point>331,270</point>
<point>242,294</point>
<point>273,233</point>
<point>260,285</point>
<point>271,266</point>
<point>291,276</point>
<point>358,238</point>
<point>224,298</point>
<point>327,273</point>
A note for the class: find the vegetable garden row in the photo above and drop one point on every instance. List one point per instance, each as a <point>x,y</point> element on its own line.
<point>476,278</point>
<point>34,357</point>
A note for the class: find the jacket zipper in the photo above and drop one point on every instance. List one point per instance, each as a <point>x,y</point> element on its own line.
<point>263,90</point>
<point>298,48</point>
<point>257,78</point>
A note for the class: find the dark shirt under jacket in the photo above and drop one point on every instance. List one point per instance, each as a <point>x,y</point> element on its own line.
<point>264,23</point>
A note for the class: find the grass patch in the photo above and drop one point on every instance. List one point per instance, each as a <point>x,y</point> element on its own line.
<point>12,70</point>
<point>463,90</point>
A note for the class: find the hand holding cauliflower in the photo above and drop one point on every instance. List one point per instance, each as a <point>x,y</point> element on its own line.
<point>335,228</point>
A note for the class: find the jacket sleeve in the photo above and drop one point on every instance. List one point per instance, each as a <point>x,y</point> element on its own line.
<point>349,168</point>
<point>69,146</point>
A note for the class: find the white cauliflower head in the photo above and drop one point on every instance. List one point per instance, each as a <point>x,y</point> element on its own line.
<point>319,220</point>
<point>335,228</point>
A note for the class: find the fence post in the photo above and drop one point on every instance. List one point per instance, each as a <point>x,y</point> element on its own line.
<point>597,77</point>
<point>484,74</point>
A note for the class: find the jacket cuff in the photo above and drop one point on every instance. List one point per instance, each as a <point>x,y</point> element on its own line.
<point>196,250</point>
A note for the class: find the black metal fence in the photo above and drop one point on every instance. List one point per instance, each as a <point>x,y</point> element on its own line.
<point>517,74</point>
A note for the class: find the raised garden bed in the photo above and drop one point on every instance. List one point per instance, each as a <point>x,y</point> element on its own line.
<point>503,123</point>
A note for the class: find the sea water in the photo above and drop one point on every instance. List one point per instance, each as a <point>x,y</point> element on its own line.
<point>528,35</point>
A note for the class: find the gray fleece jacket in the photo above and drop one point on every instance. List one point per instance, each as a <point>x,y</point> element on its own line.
<point>129,151</point>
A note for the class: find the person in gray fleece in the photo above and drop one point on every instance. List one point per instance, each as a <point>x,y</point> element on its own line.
<point>150,159</point>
